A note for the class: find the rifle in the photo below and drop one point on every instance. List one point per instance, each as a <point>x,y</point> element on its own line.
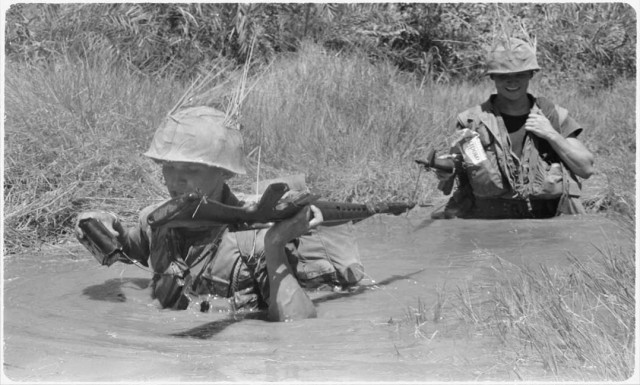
<point>451,164</point>
<point>444,164</point>
<point>194,209</point>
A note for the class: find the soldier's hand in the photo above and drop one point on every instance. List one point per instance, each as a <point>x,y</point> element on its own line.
<point>317,217</point>
<point>291,228</point>
<point>540,126</point>
<point>109,220</point>
<point>443,175</point>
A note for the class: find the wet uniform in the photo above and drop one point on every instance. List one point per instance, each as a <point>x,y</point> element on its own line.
<point>522,176</point>
<point>188,261</point>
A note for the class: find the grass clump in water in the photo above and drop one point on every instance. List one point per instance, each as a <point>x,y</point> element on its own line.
<point>577,322</point>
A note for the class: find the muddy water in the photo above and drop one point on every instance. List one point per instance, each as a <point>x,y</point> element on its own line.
<point>68,319</point>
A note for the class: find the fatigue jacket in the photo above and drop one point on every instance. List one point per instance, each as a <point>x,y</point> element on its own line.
<point>538,174</point>
<point>194,261</point>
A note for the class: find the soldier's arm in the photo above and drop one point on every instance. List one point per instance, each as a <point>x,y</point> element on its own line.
<point>287,299</point>
<point>577,157</point>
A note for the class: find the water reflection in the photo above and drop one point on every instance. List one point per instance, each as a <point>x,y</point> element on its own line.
<point>210,329</point>
<point>111,289</point>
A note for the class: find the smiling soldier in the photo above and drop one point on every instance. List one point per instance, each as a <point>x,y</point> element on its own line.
<point>520,155</point>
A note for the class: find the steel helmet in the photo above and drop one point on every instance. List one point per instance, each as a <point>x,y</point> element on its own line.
<point>198,135</point>
<point>511,56</point>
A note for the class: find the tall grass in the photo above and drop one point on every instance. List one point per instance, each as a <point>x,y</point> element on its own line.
<point>575,323</point>
<point>578,322</point>
<point>75,132</point>
<point>74,135</point>
<point>353,127</point>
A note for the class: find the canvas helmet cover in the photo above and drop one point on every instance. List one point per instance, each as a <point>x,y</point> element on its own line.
<point>511,56</point>
<point>198,135</point>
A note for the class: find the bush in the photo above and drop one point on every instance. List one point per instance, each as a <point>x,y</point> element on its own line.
<point>441,41</point>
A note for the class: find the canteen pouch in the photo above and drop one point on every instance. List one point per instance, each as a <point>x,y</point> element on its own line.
<point>170,287</point>
<point>547,181</point>
<point>485,178</point>
<point>327,255</point>
<point>548,177</point>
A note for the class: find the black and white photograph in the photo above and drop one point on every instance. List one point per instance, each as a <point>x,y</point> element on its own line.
<point>319,193</point>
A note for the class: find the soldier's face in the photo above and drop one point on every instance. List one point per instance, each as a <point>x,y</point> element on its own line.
<point>183,177</point>
<point>512,86</point>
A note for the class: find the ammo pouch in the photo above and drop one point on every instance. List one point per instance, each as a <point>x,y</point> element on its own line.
<point>171,286</point>
<point>326,255</point>
<point>546,180</point>
<point>545,172</point>
<point>172,279</point>
<point>549,178</point>
<point>485,178</point>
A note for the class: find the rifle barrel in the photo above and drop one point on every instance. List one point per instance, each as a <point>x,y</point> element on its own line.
<point>269,209</point>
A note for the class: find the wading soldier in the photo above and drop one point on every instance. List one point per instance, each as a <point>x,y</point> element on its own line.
<point>520,156</point>
<point>267,269</point>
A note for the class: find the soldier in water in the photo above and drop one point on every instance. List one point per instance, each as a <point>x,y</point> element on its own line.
<point>520,155</point>
<point>267,269</point>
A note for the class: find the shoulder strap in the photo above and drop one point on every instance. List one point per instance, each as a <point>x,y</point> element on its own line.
<point>557,115</point>
<point>562,114</point>
<point>552,113</point>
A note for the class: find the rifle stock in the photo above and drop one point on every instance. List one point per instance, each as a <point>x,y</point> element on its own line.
<point>195,210</point>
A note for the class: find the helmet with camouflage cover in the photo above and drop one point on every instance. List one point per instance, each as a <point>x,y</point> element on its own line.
<point>511,56</point>
<point>198,135</point>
